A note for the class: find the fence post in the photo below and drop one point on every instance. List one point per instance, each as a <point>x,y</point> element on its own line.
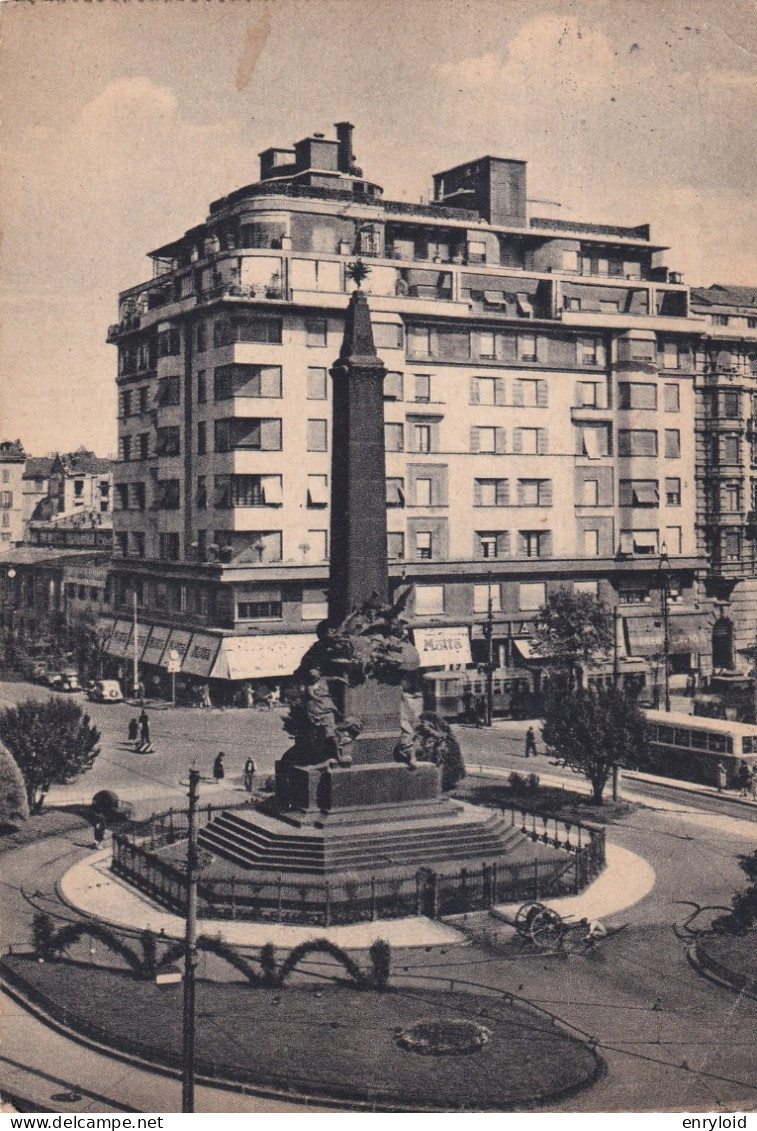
<point>233,897</point>
<point>494,883</point>
<point>278,895</point>
<point>536,879</point>
<point>418,903</point>
<point>435,894</point>
<point>374,915</point>
<point>578,873</point>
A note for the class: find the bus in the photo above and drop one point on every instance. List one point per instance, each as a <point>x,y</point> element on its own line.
<point>689,747</point>
<point>450,693</point>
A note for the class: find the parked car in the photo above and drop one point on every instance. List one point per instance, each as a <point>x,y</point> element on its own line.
<point>106,691</point>
<point>69,680</point>
<point>53,679</point>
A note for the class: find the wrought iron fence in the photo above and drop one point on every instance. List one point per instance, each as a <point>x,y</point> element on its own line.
<point>317,902</point>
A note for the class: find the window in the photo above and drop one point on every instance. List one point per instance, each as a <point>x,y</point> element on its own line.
<point>587,394</point>
<point>486,596</point>
<point>591,351</point>
<point>673,539</point>
<point>144,398</point>
<point>530,441</point>
<point>246,381</point>
<point>202,389</point>
<point>259,330</point>
<point>643,541</point>
<point>393,437</point>
<point>634,394</point>
<point>248,433</point>
<point>138,544</point>
<point>608,306</point>
<point>419,341</point>
<point>673,492</point>
<point>638,493</point>
<point>531,595</point>
<point>591,588</point>
<point>143,440</point>
<point>730,405</point>
<point>122,496</point>
<point>728,449</point>
<point>637,442</point>
<point>672,443</point>
<point>429,599</point>
<point>476,251</point>
<point>317,540</point>
<point>202,438</point>
<point>671,394</point>
<point>395,547</point>
<point>424,544</point>
<point>720,319</point>
<point>168,495</point>
<point>571,303</point>
<point>423,492</point>
<point>590,493</point>
<point>526,393</point>
<point>535,543</point>
<point>125,450</point>
<point>168,547</point>
<point>633,596</point>
<point>169,343</point>
<point>393,387</point>
<point>526,347</point>
<point>594,441</point>
<point>731,545</point>
<point>534,492</point>
<point>422,387</point>
<point>487,390</point>
<point>168,442</point>
<point>485,343</point>
<point>202,492</point>
<point>591,543</point>
<point>259,610</point>
<point>395,492</point>
<point>126,402</point>
<point>421,438</point>
<point>732,497</point>
<point>122,542</point>
<point>488,440</point>
<point>315,605</point>
<point>202,337</point>
<point>316,384</point>
<point>570,261</point>
<point>318,491</point>
<point>491,544</point>
<point>315,331</point>
<point>388,335</point>
<point>491,492</point>
<point>671,358</point>
<point>317,436</point>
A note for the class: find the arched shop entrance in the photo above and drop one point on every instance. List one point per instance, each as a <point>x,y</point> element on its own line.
<point>722,644</point>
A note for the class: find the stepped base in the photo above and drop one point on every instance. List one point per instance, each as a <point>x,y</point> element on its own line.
<point>385,839</point>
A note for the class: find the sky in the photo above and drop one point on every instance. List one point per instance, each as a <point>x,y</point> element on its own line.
<point>120,120</point>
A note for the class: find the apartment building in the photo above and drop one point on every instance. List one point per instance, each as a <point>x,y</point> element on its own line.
<point>542,382</point>
<point>12,457</point>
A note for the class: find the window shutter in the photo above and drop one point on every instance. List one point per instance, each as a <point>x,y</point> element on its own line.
<point>499,390</point>
<point>503,544</point>
<point>270,435</point>
<point>502,492</point>
<point>475,440</point>
<point>522,544</point>
<point>222,491</point>
<point>521,493</point>
<point>518,393</point>
<point>439,497</point>
<point>517,440</point>
<point>542,441</point>
<point>545,493</point>
<point>545,544</point>
<point>541,394</point>
<point>476,492</point>
<point>474,398</point>
<point>499,440</point>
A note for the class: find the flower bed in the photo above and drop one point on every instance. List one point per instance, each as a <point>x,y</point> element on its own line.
<point>444,1038</point>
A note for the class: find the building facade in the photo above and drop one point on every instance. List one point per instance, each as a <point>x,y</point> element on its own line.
<point>12,458</point>
<point>543,382</point>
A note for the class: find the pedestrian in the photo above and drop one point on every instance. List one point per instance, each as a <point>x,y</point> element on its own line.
<point>743,779</point>
<point>530,743</point>
<point>721,777</point>
<point>98,832</point>
<point>133,731</point>
<point>249,774</point>
<point>468,712</point>
<point>144,726</point>
<point>481,712</point>
<point>753,783</point>
<point>218,769</point>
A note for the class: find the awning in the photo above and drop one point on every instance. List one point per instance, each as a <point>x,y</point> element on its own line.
<point>591,443</point>
<point>155,645</point>
<point>178,641</point>
<point>318,494</point>
<point>272,492</point>
<point>646,635</point>
<point>394,493</point>
<point>261,657</point>
<point>118,645</point>
<point>438,647</point>
<point>524,305</point>
<point>645,494</point>
<point>525,650</point>
<point>494,298</point>
<point>645,539</point>
<point>201,654</point>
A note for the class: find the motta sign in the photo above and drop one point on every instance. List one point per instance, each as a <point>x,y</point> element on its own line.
<point>441,647</point>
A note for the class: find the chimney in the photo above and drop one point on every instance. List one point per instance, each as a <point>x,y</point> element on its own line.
<point>344,153</point>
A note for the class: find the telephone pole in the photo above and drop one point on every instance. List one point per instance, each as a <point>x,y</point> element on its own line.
<point>190,955</point>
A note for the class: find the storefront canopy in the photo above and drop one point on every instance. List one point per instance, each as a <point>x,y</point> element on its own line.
<point>260,657</point>
<point>440,647</point>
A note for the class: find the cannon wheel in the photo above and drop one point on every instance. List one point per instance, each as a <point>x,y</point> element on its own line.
<point>525,916</point>
<point>547,929</point>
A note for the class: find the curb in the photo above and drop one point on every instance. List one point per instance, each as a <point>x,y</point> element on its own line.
<point>720,975</point>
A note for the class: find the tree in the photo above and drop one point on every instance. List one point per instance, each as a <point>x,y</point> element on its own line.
<point>592,731</point>
<point>52,743</point>
<point>573,630</point>
<point>13,806</point>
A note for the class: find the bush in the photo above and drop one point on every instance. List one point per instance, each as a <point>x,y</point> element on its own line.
<point>381,962</point>
<point>52,742</point>
<point>13,804</point>
<point>105,803</point>
<point>43,936</point>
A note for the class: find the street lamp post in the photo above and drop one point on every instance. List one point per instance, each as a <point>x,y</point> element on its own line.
<point>190,953</point>
<point>135,661</point>
<point>664,576</point>
<point>489,635</point>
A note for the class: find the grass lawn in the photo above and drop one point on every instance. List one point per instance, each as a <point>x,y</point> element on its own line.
<point>552,801</point>
<point>733,957</point>
<point>332,1040</point>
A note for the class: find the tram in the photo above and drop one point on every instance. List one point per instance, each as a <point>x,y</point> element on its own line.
<point>690,747</point>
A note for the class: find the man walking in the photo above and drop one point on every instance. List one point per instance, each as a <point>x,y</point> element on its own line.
<point>530,743</point>
<point>249,774</point>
